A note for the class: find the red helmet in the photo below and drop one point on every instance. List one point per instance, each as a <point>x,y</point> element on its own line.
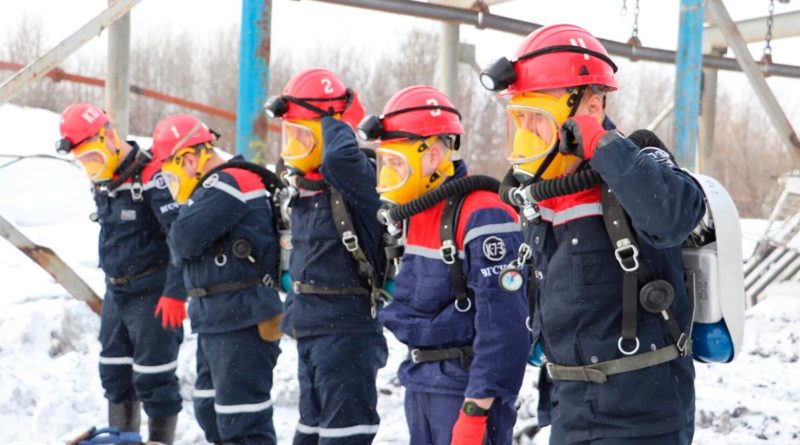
<point>81,121</point>
<point>553,57</point>
<point>176,132</point>
<point>420,111</point>
<point>314,93</point>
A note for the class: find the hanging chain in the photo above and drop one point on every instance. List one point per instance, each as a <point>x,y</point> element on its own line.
<point>767,57</point>
<point>624,11</point>
<point>634,40</point>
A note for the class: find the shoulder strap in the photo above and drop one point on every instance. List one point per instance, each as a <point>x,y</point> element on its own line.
<point>626,251</point>
<point>448,228</point>
<point>347,233</point>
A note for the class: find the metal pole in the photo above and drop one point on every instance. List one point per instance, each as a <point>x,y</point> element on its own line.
<point>661,116</point>
<point>708,117</point>
<point>49,60</point>
<point>118,74</point>
<point>254,51</point>
<point>753,30</point>
<point>490,21</point>
<point>448,60</point>
<point>782,125</point>
<point>688,71</point>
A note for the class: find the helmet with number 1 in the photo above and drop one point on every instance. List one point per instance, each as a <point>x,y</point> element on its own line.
<point>546,82</point>
<point>87,134</point>
<point>174,138</point>
<point>414,120</point>
<point>309,96</point>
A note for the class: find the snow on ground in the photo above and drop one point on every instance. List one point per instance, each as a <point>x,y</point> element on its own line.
<point>49,385</point>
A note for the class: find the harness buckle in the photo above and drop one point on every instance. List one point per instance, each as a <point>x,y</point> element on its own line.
<point>683,340</point>
<point>525,253</point>
<point>627,255</point>
<point>448,252</point>
<point>136,191</point>
<point>268,281</point>
<point>350,241</point>
<point>415,355</point>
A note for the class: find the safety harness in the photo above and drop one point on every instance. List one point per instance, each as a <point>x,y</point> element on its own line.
<point>133,172</point>
<point>242,248</point>
<point>454,193</point>
<point>343,222</point>
<point>655,296</point>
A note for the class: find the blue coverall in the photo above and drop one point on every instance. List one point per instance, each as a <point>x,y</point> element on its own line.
<point>138,357</point>
<point>340,346</point>
<point>579,288</point>
<point>423,315</point>
<point>234,364</point>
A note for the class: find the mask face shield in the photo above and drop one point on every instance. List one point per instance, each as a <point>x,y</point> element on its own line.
<point>401,178</point>
<point>301,144</point>
<point>393,169</point>
<point>179,182</point>
<point>533,122</point>
<point>98,161</point>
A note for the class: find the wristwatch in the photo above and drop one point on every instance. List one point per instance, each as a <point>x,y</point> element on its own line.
<point>472,409</point>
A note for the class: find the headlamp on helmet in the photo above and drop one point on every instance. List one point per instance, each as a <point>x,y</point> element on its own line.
<point>501,74</point>
<point>64,146</point>
<point>275,107</point>
<point>498,75</point>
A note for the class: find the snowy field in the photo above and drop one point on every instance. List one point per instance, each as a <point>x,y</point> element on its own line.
<point>49,385</point>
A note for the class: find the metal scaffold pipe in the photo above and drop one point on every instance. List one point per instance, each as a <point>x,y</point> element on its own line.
<point>499,23</point>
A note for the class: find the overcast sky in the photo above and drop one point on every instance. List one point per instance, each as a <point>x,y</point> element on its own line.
<point>303,24</point>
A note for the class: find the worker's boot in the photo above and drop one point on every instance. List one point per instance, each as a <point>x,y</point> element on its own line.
<point>124,416</point>
<point>162,429</point>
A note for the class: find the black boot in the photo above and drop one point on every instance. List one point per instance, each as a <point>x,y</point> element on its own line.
<point>124,416</point>
<point>162,429</point>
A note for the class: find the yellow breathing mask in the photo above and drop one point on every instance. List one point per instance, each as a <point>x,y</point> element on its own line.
<point>534,120</point>
<point>180,183</point>
<point>96,158</point>
<point>400,169</point>
<point>301,144</point>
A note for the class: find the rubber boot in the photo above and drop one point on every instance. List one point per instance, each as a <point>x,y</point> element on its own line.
<point>124,416</point>
<point>162,429</point>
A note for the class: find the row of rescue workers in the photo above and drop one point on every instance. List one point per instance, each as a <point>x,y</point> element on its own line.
<point>473,281</point>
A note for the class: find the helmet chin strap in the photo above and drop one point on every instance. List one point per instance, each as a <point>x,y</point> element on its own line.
<point>574,102</point>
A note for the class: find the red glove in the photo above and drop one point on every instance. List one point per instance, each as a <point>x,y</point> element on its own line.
<point>173,312</point>
<point>469,430</point>
<point>580,136</point>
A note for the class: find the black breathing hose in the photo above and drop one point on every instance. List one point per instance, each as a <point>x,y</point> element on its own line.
<point>577,182</point>
<point>448,190</point>
<point>313,185</point>
<point>270,180</point>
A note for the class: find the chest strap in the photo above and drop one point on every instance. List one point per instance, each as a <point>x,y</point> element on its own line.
<point>449,252</point>
<point>120,281</point>
<point>463,353</point>
<point>343,222</point>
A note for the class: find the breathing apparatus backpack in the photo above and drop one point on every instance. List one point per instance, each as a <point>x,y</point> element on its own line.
<point>380,286</point>
<point>712,262</point>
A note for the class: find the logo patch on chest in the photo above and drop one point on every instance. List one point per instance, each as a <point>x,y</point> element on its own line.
<point>127,215</point>
<point>494,248</point>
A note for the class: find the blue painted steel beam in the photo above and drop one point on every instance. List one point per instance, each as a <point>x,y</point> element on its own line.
<point>688,76</point>
<point>254,50</point>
